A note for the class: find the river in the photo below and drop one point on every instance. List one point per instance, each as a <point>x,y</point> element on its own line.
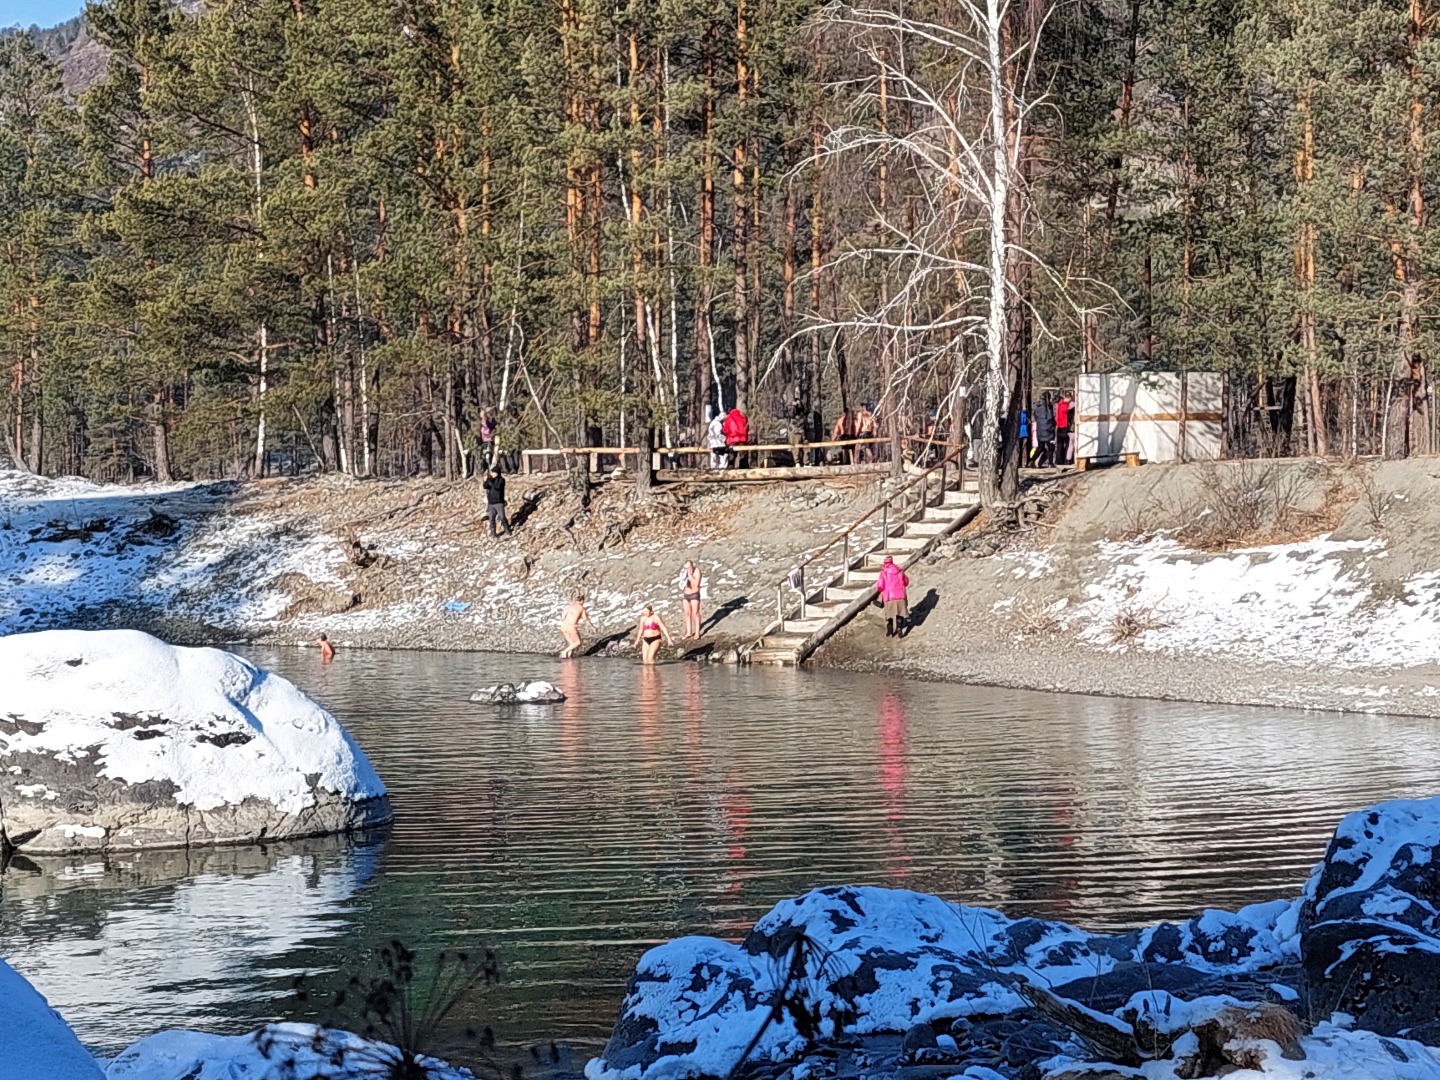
<point>689,799</point>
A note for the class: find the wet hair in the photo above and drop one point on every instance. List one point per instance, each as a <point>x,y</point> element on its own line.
<point>648,609</point>
<point>580,596</point>
<point>323,638</point>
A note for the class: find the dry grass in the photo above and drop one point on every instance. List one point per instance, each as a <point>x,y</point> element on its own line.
<point>1132,622</point>
<point>1378,501</point>
<point>1242,504</point>
<point>1035,619</point>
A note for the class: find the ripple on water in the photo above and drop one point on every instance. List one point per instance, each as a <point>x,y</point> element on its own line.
<point>689,800</point>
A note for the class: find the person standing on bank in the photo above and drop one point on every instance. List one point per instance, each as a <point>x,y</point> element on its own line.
<point>737,433</point>
<point>893,584</point>
<point>1044,432</point>
<point>494,486</point>
<point>1064,420</point>
<point>690,600</point>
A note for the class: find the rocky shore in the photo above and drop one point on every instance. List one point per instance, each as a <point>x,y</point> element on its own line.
<point>1341,981</point>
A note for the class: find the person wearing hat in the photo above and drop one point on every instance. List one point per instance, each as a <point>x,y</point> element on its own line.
<point>893,584</point>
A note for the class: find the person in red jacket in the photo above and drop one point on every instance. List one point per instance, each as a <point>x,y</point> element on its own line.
<point>736,430</point>
<point>1064,417</point>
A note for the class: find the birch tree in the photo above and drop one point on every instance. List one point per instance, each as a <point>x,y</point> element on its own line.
<point>954,246</point>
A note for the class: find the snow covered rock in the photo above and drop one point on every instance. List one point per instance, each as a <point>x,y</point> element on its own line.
<point>1370,930</point>
<point>288,1051</point>
<point>535,692</point>
<point>882,965</point>
<point>114,739</point>
<point>34,1040</point>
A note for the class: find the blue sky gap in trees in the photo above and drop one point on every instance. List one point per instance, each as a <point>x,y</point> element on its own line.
<point>41,13</point>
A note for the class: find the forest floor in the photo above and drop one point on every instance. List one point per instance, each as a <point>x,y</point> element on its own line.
<point>1295,583</point>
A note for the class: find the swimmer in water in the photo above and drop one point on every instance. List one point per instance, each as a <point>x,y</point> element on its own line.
<point>575,614</point>
<point>649,633</point>
<point>690,600</point>
<point>327,651</point>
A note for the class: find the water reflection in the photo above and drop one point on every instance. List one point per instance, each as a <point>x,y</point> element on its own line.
<point>156,939</point>
<point>681,799</point>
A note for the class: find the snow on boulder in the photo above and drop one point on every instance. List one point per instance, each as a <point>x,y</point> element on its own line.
<point>1370,930</point>
<point>873,963</point>
<point>535,692</point>
<point>34,1040</point>
<point>291,1051</point>
<point>113,739</point>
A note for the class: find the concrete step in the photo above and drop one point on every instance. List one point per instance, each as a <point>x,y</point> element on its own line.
<point>899,545</point>
<point>806,626</point>
<point>773,657</point>
<point>930,526</point>
<point>943,513</point>
<point>845,594</point>
<point>865,574</point>
<point>961,498</point>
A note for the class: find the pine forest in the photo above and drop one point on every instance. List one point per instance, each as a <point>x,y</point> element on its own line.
<point>284,235</point>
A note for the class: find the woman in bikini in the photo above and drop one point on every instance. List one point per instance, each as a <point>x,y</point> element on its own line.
<point>652,628</point>
<point>570,622</point>
<point>690,600</point>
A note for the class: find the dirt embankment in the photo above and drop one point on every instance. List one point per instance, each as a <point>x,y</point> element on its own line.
<point>1296,583</point>
<point>398,564</point>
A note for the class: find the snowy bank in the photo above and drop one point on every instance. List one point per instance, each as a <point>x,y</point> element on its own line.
<point>1342,982</point>
<point>114,739</point>
<point>282,1051</point>
<point>34,1040</point>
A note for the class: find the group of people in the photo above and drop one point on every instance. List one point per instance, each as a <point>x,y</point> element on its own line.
<point>856,424</point>
<point>1047,433</point>
<point>651,629</point>
<point>723,436</point>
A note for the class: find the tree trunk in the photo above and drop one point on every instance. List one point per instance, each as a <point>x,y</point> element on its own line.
<point>160,435</point>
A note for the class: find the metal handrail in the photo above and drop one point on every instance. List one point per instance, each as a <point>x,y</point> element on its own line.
<point>956,456</point>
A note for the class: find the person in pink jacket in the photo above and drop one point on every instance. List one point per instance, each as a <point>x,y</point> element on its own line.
<point>892,584</point>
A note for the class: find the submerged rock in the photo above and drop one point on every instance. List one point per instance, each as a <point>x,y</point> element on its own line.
<point>115,740</point>
<point>34,1040</point>
<point>535,692</point>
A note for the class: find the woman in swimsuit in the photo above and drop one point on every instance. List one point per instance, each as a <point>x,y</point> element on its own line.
<point>690,600</point>
<point>652,628</point>
<point>570,622</point>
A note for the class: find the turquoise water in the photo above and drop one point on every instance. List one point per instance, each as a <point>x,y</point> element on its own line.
<point>688,800</point>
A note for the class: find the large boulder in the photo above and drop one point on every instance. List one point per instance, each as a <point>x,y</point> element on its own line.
<point>1370,923</point>
<point>116,740</point>
<point>927,983</point>
<point>34,1040</point>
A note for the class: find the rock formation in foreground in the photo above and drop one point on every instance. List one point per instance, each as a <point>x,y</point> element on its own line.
<point>113,740</point>
<point>851,982</point>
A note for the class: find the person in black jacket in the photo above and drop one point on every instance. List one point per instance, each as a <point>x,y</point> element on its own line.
<point>1044,432</point>
<point>494,486</point>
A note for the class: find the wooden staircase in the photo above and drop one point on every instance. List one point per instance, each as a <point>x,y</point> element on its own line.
<point>933,504</point>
